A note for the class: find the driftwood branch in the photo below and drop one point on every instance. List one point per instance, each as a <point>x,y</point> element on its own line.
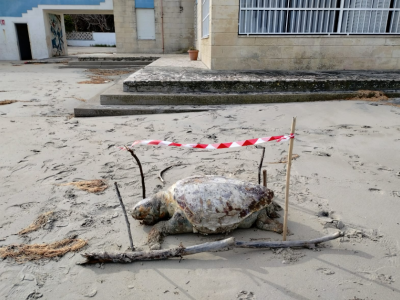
<point>289,244</point>
<point>261,163</point>
<point>126,217</point>
<point>140,168</point>
<point>104,257</point>
<point>93,258</point>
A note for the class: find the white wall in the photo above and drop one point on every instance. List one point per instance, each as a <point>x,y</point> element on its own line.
<point>104,38</point>
<point>39,32</point>
<point>36,26</point>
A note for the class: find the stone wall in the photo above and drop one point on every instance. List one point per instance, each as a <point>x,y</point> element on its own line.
<point>178,27</point>
<point>231,51</point>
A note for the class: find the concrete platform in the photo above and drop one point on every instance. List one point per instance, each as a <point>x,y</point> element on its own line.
<point>116,96</point>
<point>173,80</point>
<point>128,110</point>
<point>106,63</point>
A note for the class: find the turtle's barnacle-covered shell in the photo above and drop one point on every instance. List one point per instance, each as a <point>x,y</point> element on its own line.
<point>216,204</point>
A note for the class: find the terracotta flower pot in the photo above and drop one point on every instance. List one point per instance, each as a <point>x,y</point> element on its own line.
<point>193,54</point>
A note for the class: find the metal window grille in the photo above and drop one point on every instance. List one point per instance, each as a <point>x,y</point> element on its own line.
<point>88,36</point>
<point>319,17</point>
<point>195,23</point>
<point>206,18</point>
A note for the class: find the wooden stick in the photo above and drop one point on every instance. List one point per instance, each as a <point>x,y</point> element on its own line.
<point>93,258</point>
<point>260,166</point>
<point>140,168</point>
<point>126,217</point>
<point>289,244</point>
<point>289,165</point>
<point>227,244</point>
<point>265,178</point>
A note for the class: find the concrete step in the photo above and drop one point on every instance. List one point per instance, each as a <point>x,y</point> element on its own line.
<point>107,63</point>
<point>116,96</point>
<point>128,110</point>
<point>192,81</point>
<point>224,99</point>
<point>214,99</point>
<point>121,58</point>
<point>101,67</point>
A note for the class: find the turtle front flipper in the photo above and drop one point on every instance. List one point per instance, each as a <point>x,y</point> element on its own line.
<point>177,224</point>
<point>264,222</point>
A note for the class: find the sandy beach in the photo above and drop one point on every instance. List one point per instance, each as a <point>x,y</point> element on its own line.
<point>347,176</point>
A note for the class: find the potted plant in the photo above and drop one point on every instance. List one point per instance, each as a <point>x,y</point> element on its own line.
<point>193,53</point>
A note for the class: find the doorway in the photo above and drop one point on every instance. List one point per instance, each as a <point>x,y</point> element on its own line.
<point>23,41</point>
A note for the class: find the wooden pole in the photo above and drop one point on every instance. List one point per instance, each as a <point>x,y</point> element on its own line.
<point>260,166</point>
<point>140,168</point>
<point>289,165</point>
<point>128,225</point>
<point>265,178</point>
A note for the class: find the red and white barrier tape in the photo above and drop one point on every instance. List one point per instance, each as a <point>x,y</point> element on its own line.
<point>250,142</point>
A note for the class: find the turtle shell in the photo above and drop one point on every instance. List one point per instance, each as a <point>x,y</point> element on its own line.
<point>216,204</point>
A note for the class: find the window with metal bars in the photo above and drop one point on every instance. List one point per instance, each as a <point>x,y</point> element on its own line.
<point>260,17</point>
<point>206,18</point>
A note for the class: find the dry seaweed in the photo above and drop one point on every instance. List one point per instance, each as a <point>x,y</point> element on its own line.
<point>80,99</point>
<point>25,252</point>
<point>368,95</point>
<point>91,186</point>
<point>95,80</point>
<point>100,75</point>
<point>107,72</point>
<point>39,222</point>
<point>5,102</point>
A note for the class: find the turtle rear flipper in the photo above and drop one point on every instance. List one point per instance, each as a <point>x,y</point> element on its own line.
<point>177,224</point>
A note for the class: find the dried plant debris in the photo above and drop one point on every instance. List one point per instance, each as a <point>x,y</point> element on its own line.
<point>369,96</point>
<point>25,252</point>
<point>107,72</point>
<point>91,186</point>
<point>5,102</point>
<point>374,96</point>
<point>100,75</point>
<point>95,80</point>
<point>39,222</point>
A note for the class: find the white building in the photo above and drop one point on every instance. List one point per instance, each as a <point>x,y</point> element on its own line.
<point>34,29</point>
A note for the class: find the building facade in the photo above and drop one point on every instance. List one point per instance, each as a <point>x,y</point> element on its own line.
<point>299,35</point>
<point>230,34</point>
<point>34,29</point>
<point>154,26</point>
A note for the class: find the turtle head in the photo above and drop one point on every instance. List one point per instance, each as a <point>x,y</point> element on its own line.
<point>150,210</point>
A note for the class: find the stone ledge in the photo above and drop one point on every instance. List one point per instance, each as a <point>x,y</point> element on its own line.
<point>189,80</point>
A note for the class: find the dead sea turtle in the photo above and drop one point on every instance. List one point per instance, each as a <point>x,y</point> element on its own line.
<point>207,204</point>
